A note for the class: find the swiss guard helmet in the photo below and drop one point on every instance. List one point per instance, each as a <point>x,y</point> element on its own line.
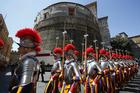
<point>29,38</point>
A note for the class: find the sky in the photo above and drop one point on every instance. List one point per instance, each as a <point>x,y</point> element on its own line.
<point>123,15</point>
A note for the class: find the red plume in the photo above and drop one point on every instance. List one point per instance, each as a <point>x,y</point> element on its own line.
<point>1,42</point>
<point>37,49</point>
<point>117,55</point>
<point>58,50</point>
<point>107,53</point>
<point>69,46</point>
<point>29,32</point>
<point>94,54</point>
<point>102,51</point>
<point>76,52</point>
<point>113,55</point>
<point>89,50</point>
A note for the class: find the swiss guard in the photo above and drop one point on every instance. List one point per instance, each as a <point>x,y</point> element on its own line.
<point>76,52</point>
<point>105,68</point>
<point>55,83</point>
<point>26,74</point>
<point>112,69</point>
<point>72,76</point>
<point>93,70</point>
<point>111,74</point>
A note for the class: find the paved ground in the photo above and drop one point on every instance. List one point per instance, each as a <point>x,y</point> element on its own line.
<point>133,86</point>
<point>41,85</point>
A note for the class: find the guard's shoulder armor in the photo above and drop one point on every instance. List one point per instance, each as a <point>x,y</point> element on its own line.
<point>56,66</point>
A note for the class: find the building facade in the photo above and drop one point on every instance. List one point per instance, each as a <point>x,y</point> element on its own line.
<point>8,41</point>
<point>104,30</point>
<point>93,8</point>
<point>74,18</point>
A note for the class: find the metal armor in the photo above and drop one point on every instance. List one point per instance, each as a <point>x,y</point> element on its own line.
<point>29,70</point>
<point>104,64</point>
<point>56,66</point>
<point>70,70</point>
<point>92,66</point>
<point>25,74</point>
<point>107,76</point>
<point>111,64</point>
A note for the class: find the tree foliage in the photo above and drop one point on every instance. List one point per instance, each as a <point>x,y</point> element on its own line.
<point>121,43</point>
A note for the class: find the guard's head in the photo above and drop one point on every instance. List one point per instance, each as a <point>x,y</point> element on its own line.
<point>69,49</point>
<point>57,52</point>
<point>29,38</point>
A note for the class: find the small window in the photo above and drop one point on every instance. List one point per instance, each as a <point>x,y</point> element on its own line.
<point>45,16</point>
<point>71,11</point>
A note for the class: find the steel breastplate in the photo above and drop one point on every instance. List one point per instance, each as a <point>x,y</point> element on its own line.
<point>29,66</point>
<point>92,68</point>
<point>104,65</point>
<point>68,74</point>
<point>55,66</point>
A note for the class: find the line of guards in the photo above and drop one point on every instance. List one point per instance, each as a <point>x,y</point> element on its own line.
<point>101,71</point>
<point>111,71</point>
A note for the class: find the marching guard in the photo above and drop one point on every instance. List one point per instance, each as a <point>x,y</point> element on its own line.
<point>78,62</point>
<point>107,78</point>
<point>55,83</point>
<point>26,74</point>
<point>93,70</point>
<point>111,70</point>
<point>72,76</point>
